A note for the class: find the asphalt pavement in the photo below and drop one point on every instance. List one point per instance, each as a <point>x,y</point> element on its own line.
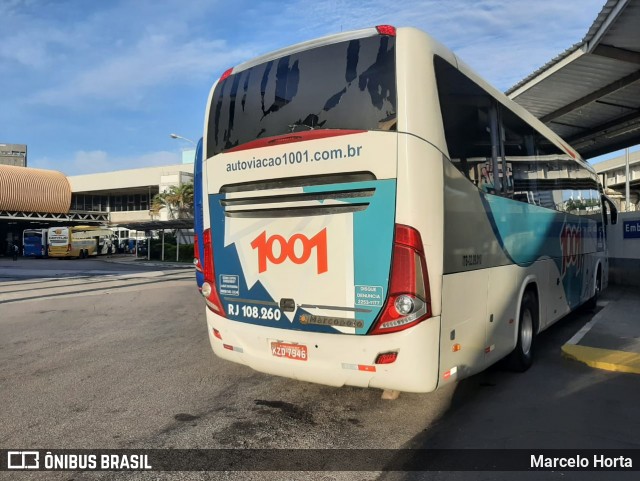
<point>131,259</point>
<point>123,361</point>
<point>610,341</point>
<point>27,267</point>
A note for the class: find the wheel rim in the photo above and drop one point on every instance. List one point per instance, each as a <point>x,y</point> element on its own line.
<point>526,331</point>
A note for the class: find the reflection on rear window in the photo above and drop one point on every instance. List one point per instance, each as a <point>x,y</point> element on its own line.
<point>348,85</point>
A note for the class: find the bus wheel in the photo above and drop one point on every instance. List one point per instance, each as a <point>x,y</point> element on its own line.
<point>522,356</point>
<point>592,303</point>
<point>81,254</point>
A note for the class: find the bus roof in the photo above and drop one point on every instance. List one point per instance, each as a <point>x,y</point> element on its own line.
<point>309,44</point>
<point>437,49</point>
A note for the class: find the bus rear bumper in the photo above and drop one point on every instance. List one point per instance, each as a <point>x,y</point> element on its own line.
<point>335,359</point>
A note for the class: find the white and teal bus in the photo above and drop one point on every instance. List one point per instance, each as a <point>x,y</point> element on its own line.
<point>377,215</point>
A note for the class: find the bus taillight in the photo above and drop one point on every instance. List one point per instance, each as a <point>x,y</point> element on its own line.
<point>409,299</point>
<point>209,287</point>
<point>387,30</point>
<point>196,253</point>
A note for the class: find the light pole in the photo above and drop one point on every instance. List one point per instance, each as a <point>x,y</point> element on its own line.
<point>176,136</point>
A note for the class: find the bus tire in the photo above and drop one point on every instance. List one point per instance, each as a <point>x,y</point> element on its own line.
<point>592,303</point>
<point>521,358</point>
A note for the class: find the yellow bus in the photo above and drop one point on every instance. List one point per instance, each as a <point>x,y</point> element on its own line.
<point>80,241</point>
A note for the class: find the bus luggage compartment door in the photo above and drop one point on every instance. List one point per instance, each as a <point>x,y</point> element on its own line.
<point>311,258</point>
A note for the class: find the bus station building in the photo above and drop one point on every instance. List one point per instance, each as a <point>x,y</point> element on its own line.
<point>36,198</point>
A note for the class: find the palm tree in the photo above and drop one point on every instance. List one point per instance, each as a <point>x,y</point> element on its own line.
<point>178,200</point>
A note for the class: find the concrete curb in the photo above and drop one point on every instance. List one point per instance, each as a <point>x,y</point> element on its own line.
<point>607,359</point>
<point>156,264</point>
<point>600,358</point>
<point>147,263</point>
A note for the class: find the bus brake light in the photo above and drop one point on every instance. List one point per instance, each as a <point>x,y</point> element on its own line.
<point>388,30</point>
<point>226,74</point>
<point>209,287</point>
<point>409,299</point>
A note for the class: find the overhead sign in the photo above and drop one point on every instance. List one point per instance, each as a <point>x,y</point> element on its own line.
<point>631,229</point>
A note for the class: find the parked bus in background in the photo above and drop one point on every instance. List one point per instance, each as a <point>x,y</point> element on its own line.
<point>107,242</point>
<point>120,234</point>
<point>34,242</point>
<point>377,215</point>
<point>80,241</point>
<point>198,218</point>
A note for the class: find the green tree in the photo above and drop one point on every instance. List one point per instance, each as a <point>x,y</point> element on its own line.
<point>178,200</point>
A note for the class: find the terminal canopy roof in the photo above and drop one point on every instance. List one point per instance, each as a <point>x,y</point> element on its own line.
<point>590,94</point>
<point>156,225</point>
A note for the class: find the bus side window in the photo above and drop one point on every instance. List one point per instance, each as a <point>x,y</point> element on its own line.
<point>472,122</point>
<point>466,122</point>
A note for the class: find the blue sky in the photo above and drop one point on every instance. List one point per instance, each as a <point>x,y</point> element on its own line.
<point>95,86</point>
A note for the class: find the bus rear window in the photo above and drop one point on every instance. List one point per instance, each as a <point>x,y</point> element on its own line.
<point>348,85</point>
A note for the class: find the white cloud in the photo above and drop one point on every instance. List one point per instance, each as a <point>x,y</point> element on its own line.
<point>31,42</point>
<point>91,162</point>
<point>126,77</point>
<point>503,40</point>
<point>116,77</point>
<point>111,56</point>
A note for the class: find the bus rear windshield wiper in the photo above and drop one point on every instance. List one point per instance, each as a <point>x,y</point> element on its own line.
<point>296,125</point>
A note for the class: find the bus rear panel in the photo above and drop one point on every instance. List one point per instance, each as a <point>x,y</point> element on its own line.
<point>307,273</point>
<point>34,242</point>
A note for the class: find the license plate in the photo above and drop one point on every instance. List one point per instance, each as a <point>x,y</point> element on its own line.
<point>290,351</point>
